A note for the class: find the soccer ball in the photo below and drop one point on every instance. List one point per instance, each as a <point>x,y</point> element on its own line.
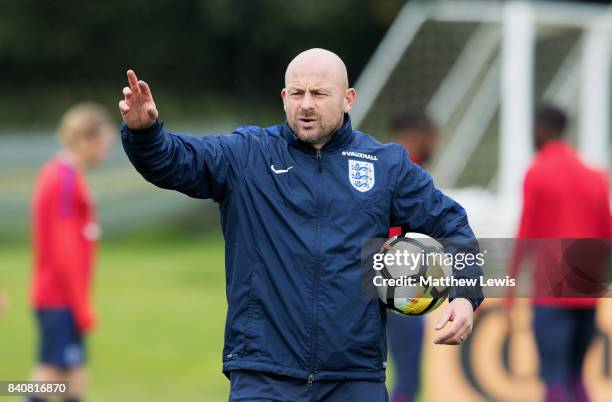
<point>413,266</point>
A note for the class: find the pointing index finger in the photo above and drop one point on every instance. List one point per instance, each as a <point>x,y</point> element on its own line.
<point>133,81</point>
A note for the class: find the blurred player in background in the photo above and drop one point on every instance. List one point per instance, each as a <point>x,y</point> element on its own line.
<point>416,132</point>
<point>563,198</point>
<point>65,233</point>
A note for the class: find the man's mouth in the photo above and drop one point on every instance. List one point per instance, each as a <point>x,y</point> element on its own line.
<point>307,123</point>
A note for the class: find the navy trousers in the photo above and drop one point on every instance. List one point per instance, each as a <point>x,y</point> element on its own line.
<point>250,386</point>
<point>563,336</point>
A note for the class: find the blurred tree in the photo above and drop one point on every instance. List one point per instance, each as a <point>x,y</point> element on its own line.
<point>235,47</point>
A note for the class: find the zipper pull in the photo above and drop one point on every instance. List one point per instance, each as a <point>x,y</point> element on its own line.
<point>319,160</point>
<point>310,380</point>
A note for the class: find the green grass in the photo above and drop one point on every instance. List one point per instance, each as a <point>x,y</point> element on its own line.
<point>161,306</point>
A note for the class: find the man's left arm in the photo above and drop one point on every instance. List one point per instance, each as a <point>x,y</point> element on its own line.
<point>418,206</point>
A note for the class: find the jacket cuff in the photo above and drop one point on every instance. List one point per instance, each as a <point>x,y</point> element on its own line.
<point>142,135</point>
<point>475,298</point>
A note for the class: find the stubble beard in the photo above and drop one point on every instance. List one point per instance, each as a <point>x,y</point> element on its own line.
<point>321,136</point>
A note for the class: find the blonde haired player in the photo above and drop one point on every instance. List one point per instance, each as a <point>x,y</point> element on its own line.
<point>65,233</point>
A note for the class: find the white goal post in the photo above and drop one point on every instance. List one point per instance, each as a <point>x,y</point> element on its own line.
<point>479,67</point>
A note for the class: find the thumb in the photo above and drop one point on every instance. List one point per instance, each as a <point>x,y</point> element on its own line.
<point>444,318</point>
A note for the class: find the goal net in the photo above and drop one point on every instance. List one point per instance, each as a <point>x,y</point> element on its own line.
<point>479,67</point>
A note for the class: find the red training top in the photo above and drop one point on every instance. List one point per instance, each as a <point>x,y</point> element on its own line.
<point>562,199</point>
<point>65,233</point>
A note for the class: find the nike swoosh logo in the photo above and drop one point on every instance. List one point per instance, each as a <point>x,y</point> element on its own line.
<point>278,171</point>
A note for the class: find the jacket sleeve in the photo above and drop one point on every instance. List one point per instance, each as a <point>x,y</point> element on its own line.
<point>606,215</point>
<point>417,206</point>
<point>201,167</point>
<point>529,215</point>
<point>527,227</point>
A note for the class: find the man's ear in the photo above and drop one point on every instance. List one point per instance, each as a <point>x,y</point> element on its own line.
<point>349,99</point>
<point>284,95</point>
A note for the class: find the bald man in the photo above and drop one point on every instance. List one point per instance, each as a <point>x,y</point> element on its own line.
<point>296,201</point>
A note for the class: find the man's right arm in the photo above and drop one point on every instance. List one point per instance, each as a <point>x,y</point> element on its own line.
<point>201,167</point>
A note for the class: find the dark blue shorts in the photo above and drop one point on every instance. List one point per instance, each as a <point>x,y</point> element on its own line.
<point>60,343</point>
<point>250,386</point>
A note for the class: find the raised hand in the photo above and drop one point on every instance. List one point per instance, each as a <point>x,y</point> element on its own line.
<point>138,109</point>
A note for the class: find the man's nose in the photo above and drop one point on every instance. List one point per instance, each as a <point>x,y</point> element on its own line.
<point>307,102</point>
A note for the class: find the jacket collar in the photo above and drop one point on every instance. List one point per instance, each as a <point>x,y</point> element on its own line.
<point>341,137</point>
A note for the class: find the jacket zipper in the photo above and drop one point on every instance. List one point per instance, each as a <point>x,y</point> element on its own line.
<point>313,351</point>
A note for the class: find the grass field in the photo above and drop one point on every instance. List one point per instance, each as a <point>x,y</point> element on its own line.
<point>161,306</point>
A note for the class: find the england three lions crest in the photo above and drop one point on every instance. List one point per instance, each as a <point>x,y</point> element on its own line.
<point>361,175</point>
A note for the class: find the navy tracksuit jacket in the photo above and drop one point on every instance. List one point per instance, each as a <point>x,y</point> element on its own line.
<point>293,221</point>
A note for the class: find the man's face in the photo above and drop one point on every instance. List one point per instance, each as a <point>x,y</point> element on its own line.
<point>430,144</point>
<point>315,105</point>
<point>421,144</point>
<point>541,134</point>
